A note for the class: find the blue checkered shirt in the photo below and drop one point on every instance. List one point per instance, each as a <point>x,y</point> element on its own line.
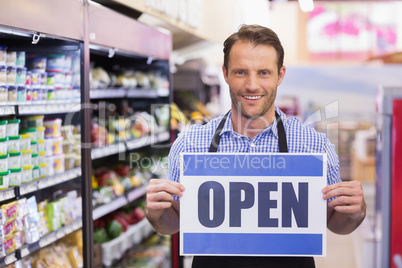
<point>300,139</point>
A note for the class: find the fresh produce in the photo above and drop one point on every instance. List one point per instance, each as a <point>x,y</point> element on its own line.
<point>114,229</point>
<point>137,215</point>
<point>100,236</point>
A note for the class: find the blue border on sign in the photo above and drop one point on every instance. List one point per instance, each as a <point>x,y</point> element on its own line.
<point>252,164</point>
<point>252,244</point>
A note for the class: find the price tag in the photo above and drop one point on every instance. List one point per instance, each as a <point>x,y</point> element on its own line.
<point>24,252</point>
<point>2,196</point>
<point>10,259</point>
<point>9,194</point>
<point>60,233</point>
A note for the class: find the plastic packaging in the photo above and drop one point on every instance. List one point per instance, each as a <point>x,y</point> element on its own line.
<point>40,132</point>
<point>20,61</point>
<point>49,146</point>
<point>37,63</point>
<point>14,160</point>
<point>15,177</point>
<point>57,145</point>
<point>36,93</point>
<point>21,94</point>
<point>3,94</point>
<point>27,174</point>
<point>32,122</point>
<point>50,166</point>
<point>41,145</point>
<point>58,163</point>
<point>35,159</point>
<point>4,179</point>
<point>13,144</point>
<point>25,142</point>
<point>3,54</point>
<point>36,78</point>
<point>34,147</point>
<point>11,58</point>
<point>11,75</point>
<point>3,73</point>
<point>35,173</point>
<point>29,93</point>
<point>12,127</point>
<point>43,170</point>
<point>12,94</point>
<point>3,162</point>
<point>26,157</point>
<point>32,133</point>
<point>21,76</point>
<point>28,79</point>
<point>3,127</point>
<point>3,145</point>
<point>41,157</point>
<point>53,128</point>
<point>55,62</point>
<point>69,161</point>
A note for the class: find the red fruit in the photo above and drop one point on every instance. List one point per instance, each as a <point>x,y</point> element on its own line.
<point>137,215</point>
<point>123,171</point>
<point>123,222</point>
<point>126,216</point>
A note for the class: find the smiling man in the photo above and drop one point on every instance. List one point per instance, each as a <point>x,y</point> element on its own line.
<point>253,68</point>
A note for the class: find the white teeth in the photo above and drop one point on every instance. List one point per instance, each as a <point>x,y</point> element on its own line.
<point>253,97</point>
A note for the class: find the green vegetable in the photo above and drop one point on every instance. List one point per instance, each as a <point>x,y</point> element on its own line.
<point>100,236</point>
<point>114,229</point>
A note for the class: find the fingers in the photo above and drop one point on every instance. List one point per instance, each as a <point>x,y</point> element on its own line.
<point>165,186</point>
<point>347,188</point>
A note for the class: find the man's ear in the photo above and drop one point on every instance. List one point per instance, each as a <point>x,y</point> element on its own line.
<point>281,75</point>
<point>225,73</point>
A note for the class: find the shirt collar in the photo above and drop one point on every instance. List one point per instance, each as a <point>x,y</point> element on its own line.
<point>228,127</point>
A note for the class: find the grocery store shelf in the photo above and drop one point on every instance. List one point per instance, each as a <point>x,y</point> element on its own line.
<point>7,109</point>
<point>116,93</point>
<point>7,194</point>
<point>48,108</point>
<point>114,249</point>
<point>43,242</point>
<point>119,202</point>
<point>111,149</point>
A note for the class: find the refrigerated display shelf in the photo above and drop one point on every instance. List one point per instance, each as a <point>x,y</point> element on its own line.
<point>119,202</point>
<point>40,108</point>
<point>116,93</point>
<point>111,149</point>
<point>33,186</point>
<point>52,237</point>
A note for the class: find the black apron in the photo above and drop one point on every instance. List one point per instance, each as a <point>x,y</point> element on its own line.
<point>245,261</point>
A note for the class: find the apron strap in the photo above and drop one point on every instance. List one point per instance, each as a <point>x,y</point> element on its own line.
<point>213,148</point>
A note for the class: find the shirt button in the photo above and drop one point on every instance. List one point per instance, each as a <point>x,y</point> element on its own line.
<point>252,145</point>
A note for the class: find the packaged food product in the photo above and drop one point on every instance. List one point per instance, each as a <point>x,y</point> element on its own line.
<point>36,93</point>
<point>32,122</point>
<point>68,147</point>
<point>50,165</point>
<point>19,223</point>
<point>3,94</point>
<point>55,62</point>
<point>9,228</point>
<point>3,127</point>
<point>13,144</point>
<point>31,235</point>
<point>22,207</point>
<point>21,76</point>
<point>12,127</point>
<point>3,73</point>
<point>57,146</point>
<point>11,75</point>
<point>35,159</point>
<point>53,128</point>
<point>14,160</point>
<point>40,132</point>
<point>50,93</point>
<point>43,170</point>
<point>41,145</point>
<point>34,147</point>
<point>58,163</point>
<point>32,205</point>
<point>25,142</point>
<point>44,93</point>
<point>12,94</point>
<point>27,174</point>
<point>19,239</point>
<point>9,211</point>
<point>3,145</point>
<point>37,63</point>
<point>36,78</point>
<point>41,157</point>
<point>3,162</point>
<point>15,177</point>
<point>36,173</point>
<point>3,54</point>
<point>21,94</point>
<point>28,79</point>
<point>69,161</point>
<point>33,219</point>
<point>26,157</point>
<point>28,93</point>
<point>20,61</point>
<point>11,58</point>
<point>4,179</point>
<point>9,245</point>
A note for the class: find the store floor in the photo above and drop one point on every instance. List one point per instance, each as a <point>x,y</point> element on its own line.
<point>346,251</point>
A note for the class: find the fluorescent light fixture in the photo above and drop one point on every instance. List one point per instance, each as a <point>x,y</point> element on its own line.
<point>306,5</point>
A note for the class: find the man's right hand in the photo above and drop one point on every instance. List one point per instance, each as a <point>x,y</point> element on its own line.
<point>161,209</point>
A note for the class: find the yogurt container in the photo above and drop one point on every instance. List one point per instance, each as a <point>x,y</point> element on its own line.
<point>25,142</point>
<point>14,160</point>
<point>27,174</point>
<point>57,145</point>
<point>12,127</point>
<point>35,159</point>
<point>3,127</point>
<point>50,167</point>
<point>26,157</point>
<point>43,170</point>
<point>41,157</point>
<point>32,133</point>
<point>53,128</point>
<point>3,162</point>
<point>15,177</point>
<point>13,144</point>
<point>3,145</point>
<point>21,76</point>
<point>35,173</point>
<point>4,179</point>
<point>49,146</point>
<point>41,145</point>
<point>58,163</point>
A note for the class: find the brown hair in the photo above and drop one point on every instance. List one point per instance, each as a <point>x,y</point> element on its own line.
<point>257,35</point>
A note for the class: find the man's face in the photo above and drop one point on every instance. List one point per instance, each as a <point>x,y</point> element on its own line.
<point>253,78</point>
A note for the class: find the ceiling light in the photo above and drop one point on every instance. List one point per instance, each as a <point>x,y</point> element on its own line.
<point>306,5</point>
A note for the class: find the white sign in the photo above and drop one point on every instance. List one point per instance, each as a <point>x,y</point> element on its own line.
<point>253,204</point>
